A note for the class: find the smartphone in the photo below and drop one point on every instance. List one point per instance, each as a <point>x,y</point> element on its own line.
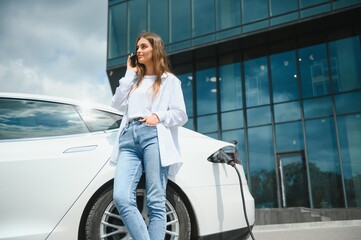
<point>133,59</point>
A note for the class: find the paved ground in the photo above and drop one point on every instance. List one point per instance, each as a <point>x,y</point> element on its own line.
<point>334,230</point>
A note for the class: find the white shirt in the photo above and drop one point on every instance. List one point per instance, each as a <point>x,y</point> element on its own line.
<point>168,105</point>
<point>141,108</point>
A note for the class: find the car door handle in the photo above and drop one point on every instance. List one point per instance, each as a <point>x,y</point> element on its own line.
<point>81,149</point>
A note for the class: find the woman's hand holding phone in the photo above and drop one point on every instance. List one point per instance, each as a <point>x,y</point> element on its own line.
<point>131,63</point>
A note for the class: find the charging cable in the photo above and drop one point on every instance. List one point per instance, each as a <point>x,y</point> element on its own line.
<point>232,163</point>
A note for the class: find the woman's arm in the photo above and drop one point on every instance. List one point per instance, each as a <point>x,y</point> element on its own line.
<point>120,97</point>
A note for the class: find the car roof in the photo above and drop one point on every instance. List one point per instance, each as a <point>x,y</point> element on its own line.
<point>48,98</point>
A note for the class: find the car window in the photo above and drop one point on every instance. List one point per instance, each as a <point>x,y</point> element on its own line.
<point>99,120</point>
<point>28,119</point>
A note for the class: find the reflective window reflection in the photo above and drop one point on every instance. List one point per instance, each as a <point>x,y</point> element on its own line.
<point>345,61</point>
<point>99,120</point>
<point>232,120</point>
<point>349,128</point>
<point>348,102</point>
<point>226,20</point>
<point>117,29</point>
<point>203,12</point>
<point>318,107</point>
<point>259,116</point>
<point>257,85</point>
<point>31,119</point>
<point>308,3</point>
<point>137,18</point>
<point>206,88</point>
<point>287,111</point>
<point>281,6</point>
<point>180,22</point>
<point>187,88</point>
<point>323,163</point>
<point>262,167</point>
<point>284,76</point>
<point>254,10</point>
<point>207,124</point>
<point>158,18</point>
<point>289,137</point>
<point>314,71</point>
<point>231,86</point>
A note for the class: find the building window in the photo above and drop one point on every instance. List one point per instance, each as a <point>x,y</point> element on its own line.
<point>179,20</point>
<point>253,10</point>
<point>257,84</point>
<point>284,76</point>
<point>203,17</point>
<point>323,163</point>
<point>224,18</point>
<point>159,18</point>
<point>117,28</point>
<point>345,62</point>
<point>206,87</point>
<point>349,128</point>
<point>314,71</point>
<point>262,167</point>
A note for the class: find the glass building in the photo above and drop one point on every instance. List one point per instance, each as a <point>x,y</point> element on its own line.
<point>282,78</point>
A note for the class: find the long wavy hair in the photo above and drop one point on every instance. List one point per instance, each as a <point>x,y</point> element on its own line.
<point>160,61</point>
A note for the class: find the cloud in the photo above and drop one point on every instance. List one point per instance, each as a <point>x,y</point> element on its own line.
<point>54,48</point>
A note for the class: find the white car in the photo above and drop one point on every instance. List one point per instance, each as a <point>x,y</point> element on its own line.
<point>56,180</point>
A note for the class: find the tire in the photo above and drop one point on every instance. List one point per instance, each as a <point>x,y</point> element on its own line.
<point>103,221</point>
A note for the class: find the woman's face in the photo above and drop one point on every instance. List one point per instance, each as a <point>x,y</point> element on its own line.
<point>144,52</point>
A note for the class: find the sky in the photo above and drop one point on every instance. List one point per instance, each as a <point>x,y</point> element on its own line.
<point>56,48</point>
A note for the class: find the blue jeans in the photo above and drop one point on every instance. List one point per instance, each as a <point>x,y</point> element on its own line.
<point>139,152</point>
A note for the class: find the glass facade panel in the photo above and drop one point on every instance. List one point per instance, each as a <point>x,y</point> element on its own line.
<point>207,124</point>
<point>289,137</point>
<point>230,86</point>
<point>262,167</point>
<point>257,85</point>
<point>224,18</point>
<point>180,21</point>
<point>158,18</point>
<point>349,128</point>
<point>187,88</point>
<point>284,76</point>
<point>323,163</point>
<point>287,111</point>
<point>348,102</point>
<point>203,17</point>
<point>117,43</point>
<point>232,120</point>
<point>259,116</point>
<point>281,6</point>
<point>314,71</point>
<point>318,107</point>
<point>308,3</point>
<point>137,19</point>
<point>206,88</point>
<point>254,10</point>
<point>345,61</point>
<point>190,124</point>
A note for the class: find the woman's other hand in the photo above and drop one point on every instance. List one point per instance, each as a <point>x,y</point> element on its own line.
<point>151,120</point>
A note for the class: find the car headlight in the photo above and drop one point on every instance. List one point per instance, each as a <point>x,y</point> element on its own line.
<point>225,155</point>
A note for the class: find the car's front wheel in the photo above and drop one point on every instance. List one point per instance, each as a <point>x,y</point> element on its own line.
<point>103,221</point>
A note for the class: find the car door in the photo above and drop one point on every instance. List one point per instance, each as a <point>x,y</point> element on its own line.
<point>48,156</point>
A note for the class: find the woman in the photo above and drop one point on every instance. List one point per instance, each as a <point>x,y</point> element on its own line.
<point>153,108</point>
